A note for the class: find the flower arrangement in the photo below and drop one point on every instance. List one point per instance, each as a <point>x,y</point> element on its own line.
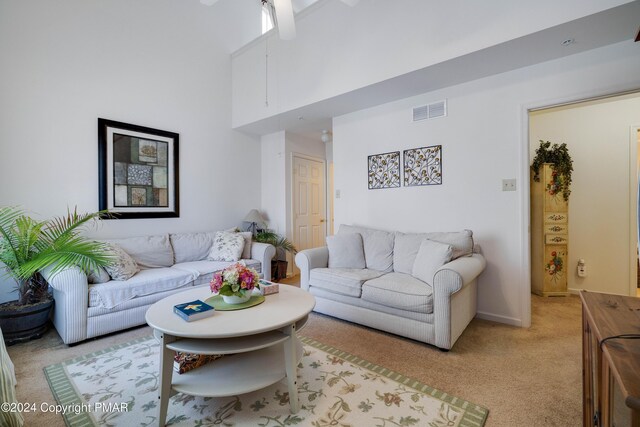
<point>235,280</point>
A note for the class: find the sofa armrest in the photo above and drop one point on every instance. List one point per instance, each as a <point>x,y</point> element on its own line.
<point>263,252</point>
<point>309,259</point>
<point>454,275</point>
<point>71,292</point>
<point>455,297</point>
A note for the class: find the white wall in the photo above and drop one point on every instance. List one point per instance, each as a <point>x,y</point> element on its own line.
<point>484,140</point>
<point>598,137</point>
<point>274,181</point>
<point>153,63</point>
<point>338,49</point>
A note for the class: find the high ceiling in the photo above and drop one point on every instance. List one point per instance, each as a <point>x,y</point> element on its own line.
<point>238,22</point>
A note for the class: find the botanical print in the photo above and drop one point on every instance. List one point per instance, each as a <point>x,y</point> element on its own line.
<point>335,389</point>
<point>423,166</point>
<point>384,170</point>
<point>140,172</point>
<point>138,196</point>
<point>148,151</point>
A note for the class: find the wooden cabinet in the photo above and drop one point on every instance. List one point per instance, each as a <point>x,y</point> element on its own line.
<point>549,236</point>
<point>611,369</point>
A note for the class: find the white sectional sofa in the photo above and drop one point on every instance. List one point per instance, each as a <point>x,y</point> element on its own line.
<point>383,292</point>
<point>169,263</point>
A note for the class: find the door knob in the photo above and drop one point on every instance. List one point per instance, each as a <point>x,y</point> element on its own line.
<point>322,220</point>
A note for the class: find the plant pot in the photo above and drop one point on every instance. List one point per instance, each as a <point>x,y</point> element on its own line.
<point>278,270</point>
<point>234,299</point>
<point>24,322</point>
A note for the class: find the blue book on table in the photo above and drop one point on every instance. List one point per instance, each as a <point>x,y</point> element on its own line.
<point>193,310</point>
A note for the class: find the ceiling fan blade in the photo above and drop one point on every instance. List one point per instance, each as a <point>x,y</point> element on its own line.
<point>284,19</point>
<point>350,2</point>
<point>208,2</point>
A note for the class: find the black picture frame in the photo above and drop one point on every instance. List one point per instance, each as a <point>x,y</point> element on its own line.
<point>383,170</point>
<point>422,166</point>
<point>138,171</point>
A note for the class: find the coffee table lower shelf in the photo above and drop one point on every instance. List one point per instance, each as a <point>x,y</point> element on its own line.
<point>236,374</point>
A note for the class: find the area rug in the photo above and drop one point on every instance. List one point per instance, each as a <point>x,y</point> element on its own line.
<point>117,387</point>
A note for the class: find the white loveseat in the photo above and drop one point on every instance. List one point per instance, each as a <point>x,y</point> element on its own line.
<point>169,263</point>
<point>384,294</point>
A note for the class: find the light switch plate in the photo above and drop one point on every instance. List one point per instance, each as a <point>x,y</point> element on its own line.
<point>509,184</point>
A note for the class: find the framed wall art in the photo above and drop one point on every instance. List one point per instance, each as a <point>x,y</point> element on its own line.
<point>138,170</point>
<point>384,170</point>
<point>422,166</point>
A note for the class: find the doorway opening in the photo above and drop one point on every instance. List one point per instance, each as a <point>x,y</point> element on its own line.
<point>603,139</point>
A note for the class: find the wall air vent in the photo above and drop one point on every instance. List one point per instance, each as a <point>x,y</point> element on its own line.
<point>421,113</point>
<point>438,109</point>
<point>430,111</point>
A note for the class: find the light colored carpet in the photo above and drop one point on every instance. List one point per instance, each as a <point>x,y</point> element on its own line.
<point>335,388</point>
<point>526,377</point>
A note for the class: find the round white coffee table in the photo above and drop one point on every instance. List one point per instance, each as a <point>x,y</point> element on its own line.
<point>262,340</point>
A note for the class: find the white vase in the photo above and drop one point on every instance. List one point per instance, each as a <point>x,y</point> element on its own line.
<point>233,299</point>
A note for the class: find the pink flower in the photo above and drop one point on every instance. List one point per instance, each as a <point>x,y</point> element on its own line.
<point>238,277</point>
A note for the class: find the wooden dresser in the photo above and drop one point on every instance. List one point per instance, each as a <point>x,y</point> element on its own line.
<point>611,371</point>
<point>549,236</point>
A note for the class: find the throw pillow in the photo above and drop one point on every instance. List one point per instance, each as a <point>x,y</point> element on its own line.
<point>346,251</point>
<point>378,246</point>
<point>123,266</point>
<point>98,276</point>
<point>226,247</point>
<point>431,256</point>
<point>460,241</point>
<point>248,236</point>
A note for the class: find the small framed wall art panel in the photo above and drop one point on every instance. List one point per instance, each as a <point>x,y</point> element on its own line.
<point>423,166</point>
<point>384,170</point>
<point>138,170</point>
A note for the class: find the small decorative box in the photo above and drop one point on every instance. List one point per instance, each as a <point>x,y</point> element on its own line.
<point>268,288</point>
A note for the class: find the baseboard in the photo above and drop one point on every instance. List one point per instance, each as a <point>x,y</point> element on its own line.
<point>500,319</point>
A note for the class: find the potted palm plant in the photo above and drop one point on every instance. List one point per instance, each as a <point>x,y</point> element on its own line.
<point>283,245</point>
<point>28,246</point>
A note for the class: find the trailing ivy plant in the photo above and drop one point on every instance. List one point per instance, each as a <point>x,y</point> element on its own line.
<point>561,163</point>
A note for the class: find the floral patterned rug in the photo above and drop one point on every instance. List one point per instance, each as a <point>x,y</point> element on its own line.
<point>117,387</point>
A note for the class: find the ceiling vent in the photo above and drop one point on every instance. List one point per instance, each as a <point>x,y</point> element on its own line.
<point>430,111</point>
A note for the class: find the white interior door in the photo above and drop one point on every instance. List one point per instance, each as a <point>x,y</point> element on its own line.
<point>309,203</point>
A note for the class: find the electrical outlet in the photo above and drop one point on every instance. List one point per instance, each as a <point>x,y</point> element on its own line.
<point>509,184</point>
<point>337,194</point>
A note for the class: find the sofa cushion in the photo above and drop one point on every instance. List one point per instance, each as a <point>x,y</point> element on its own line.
<point>148,251</point>
<point>345,281</point>
<point>378,246</point>
<point>399,290</point>
<point>431,256</point>
<point>405,249</point>
<point>146,282</point>
<point>461,241</point>
<point>205,269</point>
<point>191,246</point>
<point>123,266</point>
<point>226,247</point>
<point>346,251</point>
<point>99,275</point>
<point>248,237</point>
<point>406,246</point>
